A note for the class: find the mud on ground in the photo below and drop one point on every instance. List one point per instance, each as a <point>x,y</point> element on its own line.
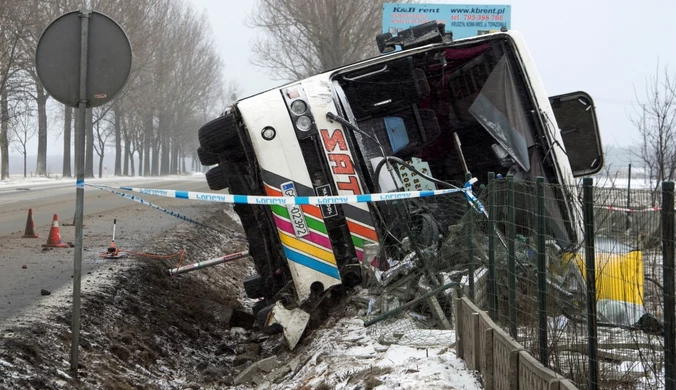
<point>143,329</point>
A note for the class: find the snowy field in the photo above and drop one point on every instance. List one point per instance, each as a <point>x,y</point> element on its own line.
<point>19,180</point>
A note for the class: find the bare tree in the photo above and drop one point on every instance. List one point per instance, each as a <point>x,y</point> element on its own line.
<point>39,13</point>
<point>175,72</point>
<point>67,127</point>
<point>24,129</point>
<point>4,136</point>
<point>303,37</point>
<point>655,120</point>
<point>193,83</point>
<point>102,130</point>
<point>13,14</point>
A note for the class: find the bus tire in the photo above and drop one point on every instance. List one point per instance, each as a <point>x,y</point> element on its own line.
<point>207,158</point>
<point>219,135</point>
<point>217,178</point>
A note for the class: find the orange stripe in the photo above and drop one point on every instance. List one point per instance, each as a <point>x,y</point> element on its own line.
<point>362,230</point>
<point>312,210</point>
<point>272,192</point>
<point>307,208</point>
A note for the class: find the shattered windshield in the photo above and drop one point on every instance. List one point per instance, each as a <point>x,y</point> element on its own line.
<point>458,109</point>
<point>499,109</point>
<point>446,112</point>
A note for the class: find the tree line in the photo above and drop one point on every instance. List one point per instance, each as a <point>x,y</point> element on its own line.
<point>176,81</point>
<point>175,85</point>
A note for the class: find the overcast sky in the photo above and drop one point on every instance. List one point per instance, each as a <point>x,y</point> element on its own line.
<point>604,47</point>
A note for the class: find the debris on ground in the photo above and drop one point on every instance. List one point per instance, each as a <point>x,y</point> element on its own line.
<point>143,329</point>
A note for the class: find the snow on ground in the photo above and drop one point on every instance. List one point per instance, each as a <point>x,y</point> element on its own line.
<point>344,356</point>
<point>141,329</point>
<point>19,180</point>
<point>623,182</point>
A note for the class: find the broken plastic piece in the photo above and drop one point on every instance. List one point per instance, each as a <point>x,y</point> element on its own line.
<point>293,323</point>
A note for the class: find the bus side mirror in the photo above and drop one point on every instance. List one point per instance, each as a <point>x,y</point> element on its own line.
<point>576,117</point>
<point>384,43</point>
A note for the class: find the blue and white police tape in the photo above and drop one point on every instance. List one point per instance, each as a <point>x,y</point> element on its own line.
<point>301,200</point>
<point>145,202</point>
<point>476,205</point>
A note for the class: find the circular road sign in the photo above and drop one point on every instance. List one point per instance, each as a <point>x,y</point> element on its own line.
<point>108,59</point>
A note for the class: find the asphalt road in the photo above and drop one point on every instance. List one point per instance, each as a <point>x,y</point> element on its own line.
<point>27,267</point>
<point>49,199</point>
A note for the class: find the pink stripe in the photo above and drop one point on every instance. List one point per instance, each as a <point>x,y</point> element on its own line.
<point>313,237</point>
<point>360,254</point>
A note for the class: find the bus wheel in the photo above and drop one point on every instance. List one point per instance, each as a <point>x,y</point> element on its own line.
<point>219,135</point>
<point>217,178</point>
<point>207,158</point>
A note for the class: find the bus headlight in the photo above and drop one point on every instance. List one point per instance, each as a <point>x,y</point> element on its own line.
<point>298,107</point>
<point>303,123</point>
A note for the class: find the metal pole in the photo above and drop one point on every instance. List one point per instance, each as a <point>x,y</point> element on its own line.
<point>470,244</point>
<point>511,261</point>
<point>208,263</point>
<point>629,198</point>
<point>668,283</point>
<point>542,269</point>
<point>114,225</point>
<point>590,261</point>
<point>492,309</point>
<point>410,304</point>
<point>79,190</point>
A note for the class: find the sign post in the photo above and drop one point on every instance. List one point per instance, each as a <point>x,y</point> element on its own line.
<point>79,191</point>
<point>83,59</point>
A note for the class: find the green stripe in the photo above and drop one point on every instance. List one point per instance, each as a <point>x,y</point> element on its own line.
<point>281,211</point>
<point>311,222</point>
<point>359,242</point>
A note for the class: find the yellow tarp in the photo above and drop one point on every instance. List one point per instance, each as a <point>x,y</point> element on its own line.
<point>619,276</point>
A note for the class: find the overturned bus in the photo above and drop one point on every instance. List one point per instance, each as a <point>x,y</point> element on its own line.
<point>472,105</point>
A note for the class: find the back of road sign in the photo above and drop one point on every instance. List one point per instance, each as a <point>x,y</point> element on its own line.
<point>108,64</point>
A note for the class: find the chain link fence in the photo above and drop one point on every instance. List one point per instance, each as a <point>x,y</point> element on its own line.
<point>586,302</point>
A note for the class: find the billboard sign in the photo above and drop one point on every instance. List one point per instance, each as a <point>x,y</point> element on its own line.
<point>461,19</point>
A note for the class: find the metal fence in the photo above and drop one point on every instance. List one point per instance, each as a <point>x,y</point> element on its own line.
<point>588,290</point>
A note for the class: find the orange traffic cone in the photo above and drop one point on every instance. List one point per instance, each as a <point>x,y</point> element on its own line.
<point>54,239</point>
<point>30,226</point>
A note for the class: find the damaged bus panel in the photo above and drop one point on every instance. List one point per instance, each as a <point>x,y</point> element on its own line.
<point>415,119</point>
